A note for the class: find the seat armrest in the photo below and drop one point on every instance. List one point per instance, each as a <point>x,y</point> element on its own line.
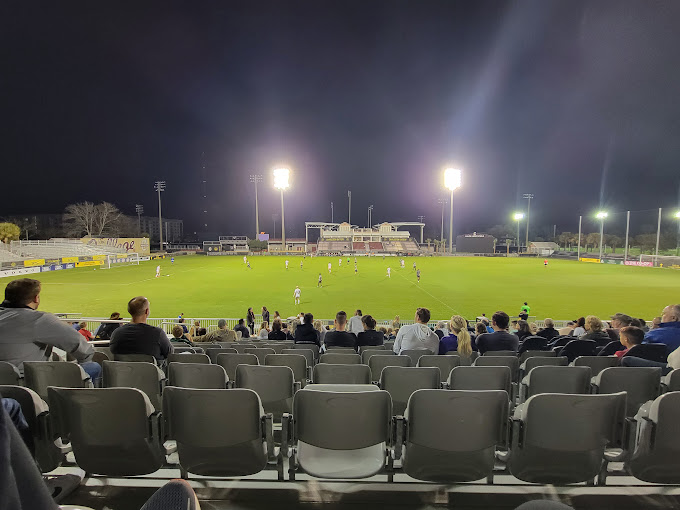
<point>286,434</point>
<point>169,450</point>
<point>156,429</point>
<point>398,434</point>
<point>268,434</point>
<point>297,386</point>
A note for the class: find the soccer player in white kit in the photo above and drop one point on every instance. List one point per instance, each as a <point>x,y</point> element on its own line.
<point>245,259</point>
<point>158,271</point>
<point>286,264</point>
<point>329,268</point>
<point>389,270</point>
<point>296,294</point>
<point>339,262</point>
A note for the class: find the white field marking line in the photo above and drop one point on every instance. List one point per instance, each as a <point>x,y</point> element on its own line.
<point>433,296</point>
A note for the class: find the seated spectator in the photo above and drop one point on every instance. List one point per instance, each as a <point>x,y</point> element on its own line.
<point>202,332</point>
<point>619,320</point>
<point>485,321</point>
<point>27,334</point>
<point>138,337</point>
<point>548,332</point>
<point>263,334</point>
<point>321,329</point>
<point>221,334</point>
<point>181,323</point>
<point>595,331</point>
<point>276,333</point>
<point>629,336</point>
<point>668,331</point>
<point>567,330</point>
<point>441,330</point>
<point>369,336</point>
<point>241,327</point>
<point>642,324</point>
<point>480,328</point>
<point>672,363</point>
<point>107,328</point>
<point>83,331</point>
<point>655,323</point>
<point>193,331</point>
<point>418,335</point>
<point>391,335</point>
<point>355,324</point>
<point>580,328</point>
<point>292,326</point>
<point>458,333</point>
<point>523,329</point>
<point>339,337</point>
<point>305,332</point>
<point>179,337</point>
<point>500,339</point>
<point>383,330</point>
<point>396,323</point>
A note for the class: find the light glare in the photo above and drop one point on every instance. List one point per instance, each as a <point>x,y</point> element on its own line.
<point>281,178</point>
<point>601,215</point>
<point>452,178</point>
<point>677,214</point>
<point>519,216</point>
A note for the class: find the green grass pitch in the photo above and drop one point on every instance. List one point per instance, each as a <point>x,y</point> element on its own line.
<point>200,286</point>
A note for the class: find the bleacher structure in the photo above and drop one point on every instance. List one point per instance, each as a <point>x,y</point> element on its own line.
<point>7,256</point>
<point>343,238</point>
<point>59,248</point>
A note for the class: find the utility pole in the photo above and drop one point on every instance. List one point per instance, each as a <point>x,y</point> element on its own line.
<point>159,187</point>
<point>349,216</point>
<point>139,209</point>
<point>625,254</point>
<point>331,212</point>
<point>578,253</point>
<point>274,218</point>
<point>528,196</point>
<point>442,201</point>
<point>420,220</point>
<point>658,237</point>
<point>255,179</point>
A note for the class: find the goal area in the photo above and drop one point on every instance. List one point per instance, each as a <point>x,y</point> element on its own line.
<point>129,259</point>
<point>662,260</point>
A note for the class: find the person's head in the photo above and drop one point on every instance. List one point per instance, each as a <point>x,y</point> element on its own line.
<point>593,323</point>
<point>642,322</point>
<point>293,326</point>
<point>422,315</point>
<point>523,326</point>
<point>358,312</point>
<point>368,321</point>
<point>458,326</point>
<point>318,326</point>
<point>276,325</point>
<point>621,320</point>
<point>250,309</point>
<point>23,292</point>
<point>396,317</point>
<point>115,316</point>
<point>181,319</point>
<point>500,320</point>
<point>83,325</point>
<point>671,314</point>
<point>631,335</point>
<point>264,308</point>
<point>441,325</point>
<point>240,322</point>
<point>525,304</point>
<point>514,325</point>
<point>571,324</point>
<point>383,330</point>
<point>197,323</point>
<point>389,331</point>
<point>222,324</point>
<point>485,321</point>
<point>340,320</point>
<point>396,331</point>
<point>177,331</point>
<point>636,322</point>
<point>138,308</point>
<point>549,323</point>
<point>276,313</point>
<point>533,328</point>
<point>480,328</point>
<point>581,322</point>
<point>655,322</point>
<point>309,318</point>
<point>202,331</point>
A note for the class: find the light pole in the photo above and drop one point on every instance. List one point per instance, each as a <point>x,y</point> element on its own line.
<point>452,180</point>
<point>677,242</point>
<point>518,217</point>
<point>139,209</point>
<point>370,212</point>
<point>255,179</point>
<point>528,196</point>
<point>442,201</point>
<point>331,212</point>
<point>281,176</point>
<point>274,218</point>
<point>601,216</point>
<point>420,220</point>
<point>159,187</point>
<point>349,215</point>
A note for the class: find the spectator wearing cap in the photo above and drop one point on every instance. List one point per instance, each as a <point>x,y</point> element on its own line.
<point>548,332</point>
<point>668,331</point>
<point>619,320</point>
<point>221,334</point>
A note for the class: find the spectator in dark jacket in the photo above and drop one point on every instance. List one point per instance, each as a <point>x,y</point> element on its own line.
<point>549,332</point>
<point>305,332</point>
<point>265,315</point>
<point>595,331</point>
<point>369,336</point>
<point>244,331</point>
<point>523,329</point>
<point>276,333</point>
<point>500,339</point>
<point>138,337</point>
<point>107,328</point>
<point>339,337</point>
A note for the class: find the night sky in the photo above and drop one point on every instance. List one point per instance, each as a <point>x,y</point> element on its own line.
<point>574,101</point>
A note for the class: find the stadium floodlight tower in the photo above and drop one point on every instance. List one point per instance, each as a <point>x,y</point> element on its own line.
<point>139,209</point>
<point>159,186</point>
<point>601,215</point>
<point>254,178</point>
<point>518,216</point>
<point>452,180</point>
<point>677,242</point>
<point>281,176</point>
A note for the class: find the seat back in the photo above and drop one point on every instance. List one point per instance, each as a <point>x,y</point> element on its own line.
<point>531,353</point>
<point>197,376</point>
<point>230,361</point>
<point>342,434</point>
<point>444,363</point>
<point>378,363</point>
<point>671,381</point>
<point>561,341</point>
<point>577,348</point>
<point>611,348</point>
<point>134,358</point>
<point>500,353</point>
<point>213,352</point>
<point>562,438</point>
<point>307,353</point>
<point>640,383</point>
<point>363,348</point>
<point>416,354</point>
<point>99,357</point>
<point>38,375</point>
<point>278,347</point>
<point>651,352</point>
<point>512,362</point>
<point>105,350</point>
<point>389,345</point>
<point>457,446</point>
<point>145,377</point>
<point>401,382</point>
<point>367,353</point>
<point>596,363</point>
<point>218,432</point>
<point>327,373</point>
<point>481,378</point>
<point>9,374</point>
<point>113,431</point>
<point>189,358</point>
<point>533,343</point>
<point>274,386</point>
<point>556,379</point>
<point>296,362</point>
<point>178,350</point>
<point>340,359</point>
<point>339,349</point>
<point>260,352</point>
<point>542,361</point>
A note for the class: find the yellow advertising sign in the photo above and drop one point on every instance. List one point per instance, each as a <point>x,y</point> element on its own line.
<point>69,260</point>
<point>90,263</point>
<point>34,262</point>
<point>129,244</point>
<point>98,257</point>
<point>597,261</point>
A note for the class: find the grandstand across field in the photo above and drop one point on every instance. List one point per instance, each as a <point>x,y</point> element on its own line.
<point>58,248</point>
<point>385,238</point>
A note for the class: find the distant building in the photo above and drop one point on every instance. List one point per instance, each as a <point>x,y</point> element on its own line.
<point>173,230</point>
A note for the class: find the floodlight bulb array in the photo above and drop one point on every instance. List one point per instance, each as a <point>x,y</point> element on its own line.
<point>281,176</point>
<point>519,216</point>
<point>601,215</point>
<point>453,178</point>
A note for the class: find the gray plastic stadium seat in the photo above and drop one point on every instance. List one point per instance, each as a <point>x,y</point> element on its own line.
<point>145,377</point>
<point>596,363</point>
<point>656,456</point>
<point>367,353</point>
<point>260,352</point>
<point>401,382</point>
<point>113,431</point>
<point>541,361</point>
<point>274,385</point>
<point>671,381</point>
<point>416,354</point>
<point>377,363</point>
<point>233,437</point>
<point>38,375</point>
<point>230,361</point>
<point>500,353</point>
<point>466,361</point>
<point>560,439</point>
<point>327,373</point>
<point>197,376</point>
<point>340,358</point>
<point>213,352</point>
<point>389,345</point>
<point>640,384</point>
<point>363,348</point>
<point>307,353</point>
<point>530,354</point>
<point>241,347</point>
<point>343,388</point>
<point>339,434</point>
<point>296,362</point>
<point>100,357</point>
<point>135,358</point>
<point>452,435</point>
<point>348,350</point>
<point>189,358</point>
<point>480,378</point>
<point>179,350</point>
<point>36,412</point>
<point>512,362</point>
<point>555,379</point>
<point>444,363</point>
<point>9,374</point>
<point>105,350</point>
<point>278,347</point>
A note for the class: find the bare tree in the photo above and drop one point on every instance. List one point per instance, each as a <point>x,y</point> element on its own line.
<point>86,218</point>
<point>105,218</point>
